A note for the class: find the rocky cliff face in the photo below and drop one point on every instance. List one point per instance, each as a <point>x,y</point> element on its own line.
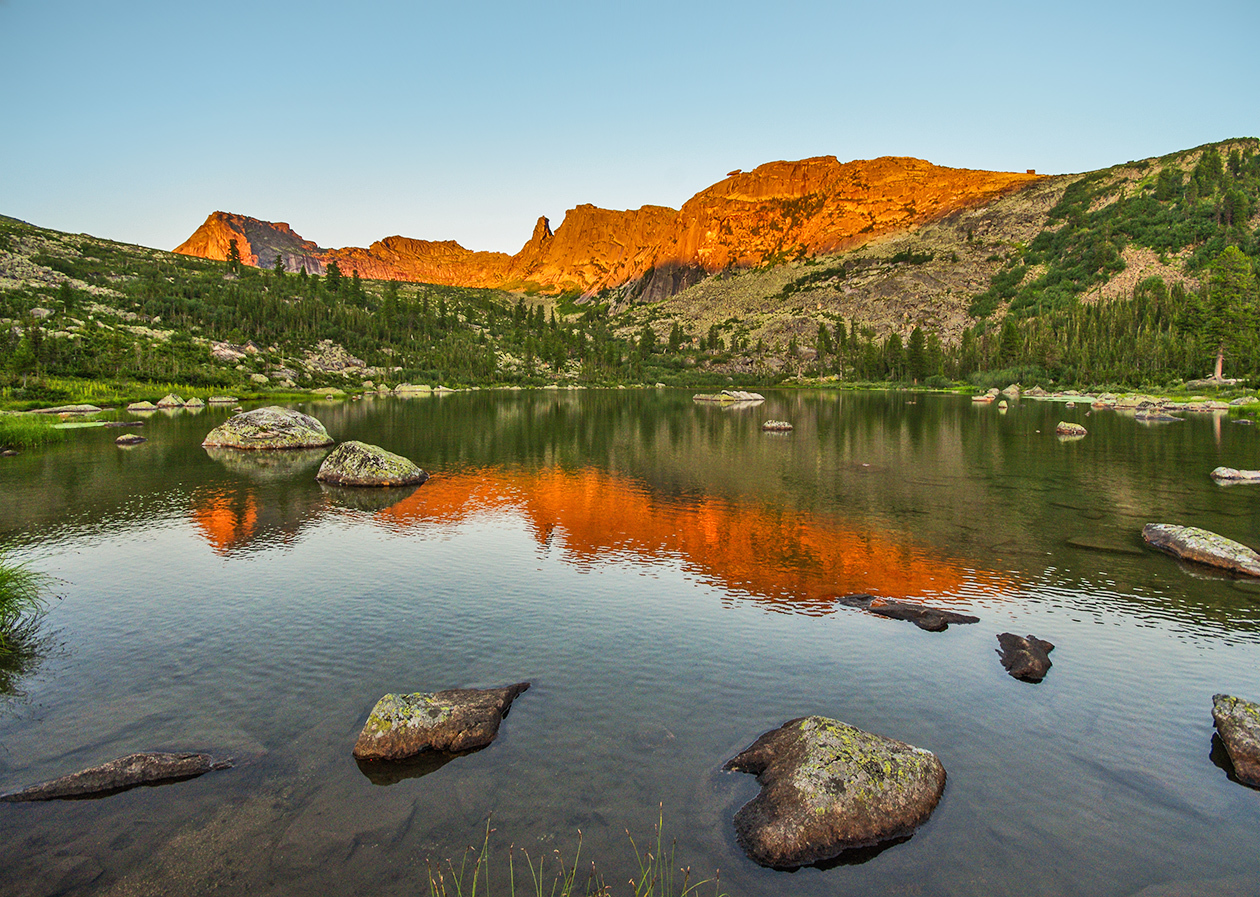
<point>778,212</point>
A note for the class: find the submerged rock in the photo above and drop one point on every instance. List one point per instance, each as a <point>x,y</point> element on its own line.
<point>359,464</point>
<point>1067,428</point>
<point>129,439</point>
<point>117,775</point>
<point>827,787</point>
<point>933,619</point>
<point>1025,658</point>
<point>272,427</point>
<point>458,719</point>
<point>1201,546</point>
<point>777,426</point>
<point>1238,724</point>
<point>1232,475</point>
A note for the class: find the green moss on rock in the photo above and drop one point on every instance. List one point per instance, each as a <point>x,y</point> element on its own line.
<point>359,464</point>
<point>272,427</point>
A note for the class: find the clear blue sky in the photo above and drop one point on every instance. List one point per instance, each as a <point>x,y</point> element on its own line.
<point>133,120</point>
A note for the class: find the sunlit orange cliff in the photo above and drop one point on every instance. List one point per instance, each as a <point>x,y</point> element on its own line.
<point>777,211</point>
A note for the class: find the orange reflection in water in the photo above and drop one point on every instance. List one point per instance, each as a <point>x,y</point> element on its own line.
<point>228,519</point>
<point>782,556</point>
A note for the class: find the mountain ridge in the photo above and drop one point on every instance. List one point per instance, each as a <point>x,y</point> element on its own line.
<point>777,212</point>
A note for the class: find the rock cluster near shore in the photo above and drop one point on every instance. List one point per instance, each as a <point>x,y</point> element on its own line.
<point>827,787</point>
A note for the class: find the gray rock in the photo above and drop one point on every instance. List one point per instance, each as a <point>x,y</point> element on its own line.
<point>827,787</point>
<point>142,406</point>
<point>459,719</point>
<point>777,426</point>
<point>68,409</point>
<point>1233,475</point>
<point>933,619</point>
<point>129,439</point>
<point>269,428</point>
<point>1238,724</point>
<point>117,775</point>
<point>1067,428</point>
<point>359,464</point>
<point>170,401</point>
<point>1025,658</point>
<point>1201,546</point>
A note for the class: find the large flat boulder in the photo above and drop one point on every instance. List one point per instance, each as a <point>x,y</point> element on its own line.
<point>359,464</point>
<point>827,787</point>
<point>272,427</point>
<point>1201,546</point>
<point>1238,724</point>
<point>120,774</point>
<point>459,719</point>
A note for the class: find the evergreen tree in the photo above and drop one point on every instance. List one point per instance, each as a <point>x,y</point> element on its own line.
<point>234,256</point>
<point>1231,299</point>
<point>333,276</point>
<point>916,355</point>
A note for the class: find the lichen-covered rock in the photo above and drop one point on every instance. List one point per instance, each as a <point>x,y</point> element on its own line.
<point>142,406</point>
<point>68,409</point>
<point>223,400</point>
<point>730,396</point>
<point>1067,428</point>
<point>1025,658</point>
<point>932,619</point>
<point>1238,724</point>
<point>272,427</point>
<point>170,401</point>
<point>458,719</point>
<point>359,464</point>
<point>777,426</point>
<point>1233,475</point>
<point>827,787</point>
<point>1202,546</point>
<point>194,402</point>
<point>125,772</point>
<point>129,439</point>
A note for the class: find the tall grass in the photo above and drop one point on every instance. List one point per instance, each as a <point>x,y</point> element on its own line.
<point>659,874</point>
<point>22,593</point>
<point>21,431</point>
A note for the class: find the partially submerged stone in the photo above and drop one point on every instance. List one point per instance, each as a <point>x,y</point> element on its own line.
<point>194,402</point>
<point>272,427</point>
<point>1201,546</point>
<point>1025,658</point>
<point>932,619</point>
<point>459,719</point>
<point>129,439</point>
<point>68,409</point>
<point>122,773</point>
<point>1067,428</point>
<point>828,787</point>
<point>358,464</point>
<point>1233,475</point>
<point>1238,724</point>
<point>729,396</point>
<point>777,426</point>
<point>223,400</point>
<point>170,401</point>
<point>142,406</point>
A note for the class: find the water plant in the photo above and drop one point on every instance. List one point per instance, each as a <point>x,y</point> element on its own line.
<point>22,593</point>
<point>658,873</point>
<point>21,431</point>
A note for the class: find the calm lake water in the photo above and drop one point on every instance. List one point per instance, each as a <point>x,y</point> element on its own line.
<point>663,573</point>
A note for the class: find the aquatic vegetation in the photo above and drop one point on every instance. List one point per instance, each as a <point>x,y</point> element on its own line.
<point>20,431</point>
<point>659,874</point>
<point>22,593</point>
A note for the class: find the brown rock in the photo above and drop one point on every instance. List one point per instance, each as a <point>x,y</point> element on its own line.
<point>117,775</point>
<point>932,619</point>
<point>1238,724</point>
<point>827,787</point>
<point>1066,428</point>
<point>459,719</point>
<point>129,439</point>
<point>1025,658</point>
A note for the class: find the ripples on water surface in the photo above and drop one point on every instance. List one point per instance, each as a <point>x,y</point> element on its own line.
<point>663,573</point>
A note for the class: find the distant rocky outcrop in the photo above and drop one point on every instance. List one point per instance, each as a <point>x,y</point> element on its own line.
<point>777,211</point>
<point>271,427</point>
<point>118,775</point>
<point>1190,543</point>
<point>827,787</point>
<point>356,463</point>
<point>459,719</point>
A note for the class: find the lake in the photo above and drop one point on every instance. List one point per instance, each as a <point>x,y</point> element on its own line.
<point>664,573</point>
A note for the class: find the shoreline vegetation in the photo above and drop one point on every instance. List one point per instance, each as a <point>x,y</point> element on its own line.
<point>22,602</point>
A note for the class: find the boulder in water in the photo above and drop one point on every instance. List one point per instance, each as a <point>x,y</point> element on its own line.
<point>932,619</point>
<point>272,427</point>
<point>827,787</point>
<point>1190,543</point>
<point>359,464</point>
<point>459,719</point>
<point>1025,658</point>
<point>117,775</point>
<point>1238,724</point>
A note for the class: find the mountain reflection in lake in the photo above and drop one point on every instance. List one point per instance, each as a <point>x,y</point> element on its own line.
<point>663,572</point>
